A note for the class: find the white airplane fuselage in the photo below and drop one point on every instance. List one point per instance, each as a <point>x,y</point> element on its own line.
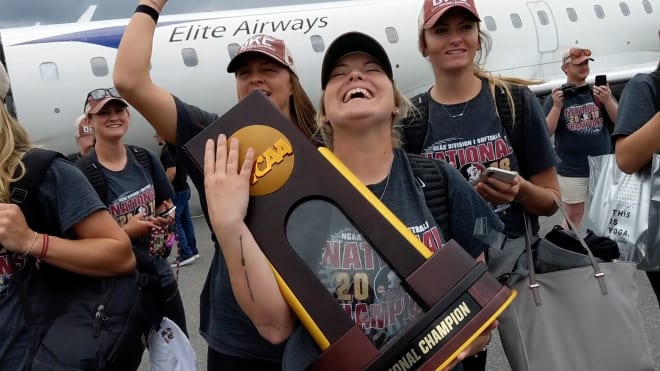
<point>53,67</point>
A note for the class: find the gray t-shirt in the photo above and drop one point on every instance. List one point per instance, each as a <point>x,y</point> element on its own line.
<point>67,198</point>
<point>581,132</point>
<point>477,140</point>
<point>636,105</point>
<point>132,190</point>
<point>352,271</point>
<point>222,323</point>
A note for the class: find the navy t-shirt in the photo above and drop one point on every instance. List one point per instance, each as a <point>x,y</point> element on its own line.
<point>131,191</point>
<point>581,132</point>
<point>636,105</point>
<point>477,140</point>
<point>67,198</point>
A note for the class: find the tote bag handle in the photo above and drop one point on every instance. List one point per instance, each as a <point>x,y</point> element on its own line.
<point>533,283</point>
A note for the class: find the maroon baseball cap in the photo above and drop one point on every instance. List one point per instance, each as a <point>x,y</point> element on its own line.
<point>267,45</point>
<point>432,10</point>
<point>98,98</point>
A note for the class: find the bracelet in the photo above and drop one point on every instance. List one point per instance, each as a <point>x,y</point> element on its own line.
<point>44,246</point>
<point>31,244</point>
<point>146,9</point>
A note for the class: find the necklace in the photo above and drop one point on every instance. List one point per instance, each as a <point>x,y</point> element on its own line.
<point>457,115</point>
<point>387,182</point>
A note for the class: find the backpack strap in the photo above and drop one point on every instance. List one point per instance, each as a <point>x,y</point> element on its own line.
<point>514,125</point>
<point>143,158</point>
<point>417,124</point>
<point>95,176</point>
<point>432,175</point>
<point>655,75</point>
<point>25,191</point>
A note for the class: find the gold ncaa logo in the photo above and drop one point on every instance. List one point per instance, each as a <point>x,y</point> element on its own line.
<point>273,154</point>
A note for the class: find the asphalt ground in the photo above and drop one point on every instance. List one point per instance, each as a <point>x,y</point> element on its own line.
<point>192,277</point>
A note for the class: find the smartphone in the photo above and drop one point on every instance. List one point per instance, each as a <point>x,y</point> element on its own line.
<point>601,80</point>
<point>499,174</point>
<point>167,212</point>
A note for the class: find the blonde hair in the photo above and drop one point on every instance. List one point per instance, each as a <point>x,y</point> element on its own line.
<point>404,107</point>
<point>501,82</point>
<point>14,144</point>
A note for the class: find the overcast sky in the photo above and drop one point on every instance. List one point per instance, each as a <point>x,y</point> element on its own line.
<point>29,12</point>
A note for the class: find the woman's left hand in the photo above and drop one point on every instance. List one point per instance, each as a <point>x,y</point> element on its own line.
<point>15,235</point>
<point>226,182</point>
<point>498,192</point>
<point>479,344</point>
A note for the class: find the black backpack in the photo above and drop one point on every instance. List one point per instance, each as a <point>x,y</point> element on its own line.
<point>414,128</point>
<point>92,323</point>
<point>432,175</point>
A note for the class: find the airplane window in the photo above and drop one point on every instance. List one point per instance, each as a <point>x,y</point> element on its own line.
<point>189,57</point>
<point>648,8</point>
<point>48,71</point>
<point>572,14</point>
<point>99,66</point>
<point>600,13</point>
<point>543,17</point>
<point>515,20</point>
<point>624,9</point>
<point>232,49</point>
<point>317,43</point>
<point>490,23</point>
<point>392,35</point>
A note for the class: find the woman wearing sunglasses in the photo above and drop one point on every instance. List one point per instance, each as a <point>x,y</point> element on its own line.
<point>239,333</point>
<point>465,128</point>
<point>136,197</point>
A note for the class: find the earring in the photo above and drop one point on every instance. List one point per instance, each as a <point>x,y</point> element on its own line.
<point>396,111</point>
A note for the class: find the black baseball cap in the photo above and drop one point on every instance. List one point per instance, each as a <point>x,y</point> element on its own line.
<point>353,42</point>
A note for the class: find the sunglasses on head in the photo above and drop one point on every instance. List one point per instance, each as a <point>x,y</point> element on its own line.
<point>577,53</point>
<point>98,94</point>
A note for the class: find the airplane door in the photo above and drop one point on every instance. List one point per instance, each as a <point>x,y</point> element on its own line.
<point>546,28</point>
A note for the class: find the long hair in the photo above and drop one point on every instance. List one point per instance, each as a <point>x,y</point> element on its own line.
<point>494,82</point>
<point>302,111</point>
<point>14,144</point>
<point>404,108</point>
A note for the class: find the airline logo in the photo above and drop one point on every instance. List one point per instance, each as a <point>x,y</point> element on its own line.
<point>274,157</point>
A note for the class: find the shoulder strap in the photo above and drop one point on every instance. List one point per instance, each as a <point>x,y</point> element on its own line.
<point>433,176</point>
<point>513,120</point>
<point>416,125</point>
<point>24,192</point>
<point>655,75</point>
<point>95,176</point>
<point>143,158</point>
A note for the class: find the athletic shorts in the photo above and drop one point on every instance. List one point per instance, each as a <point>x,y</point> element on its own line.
<point>573,190</point>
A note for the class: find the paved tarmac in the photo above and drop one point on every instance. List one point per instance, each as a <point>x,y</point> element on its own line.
<point>192,277</point>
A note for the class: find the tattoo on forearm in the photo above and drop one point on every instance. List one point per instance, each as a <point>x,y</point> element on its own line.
<point>247,279</point>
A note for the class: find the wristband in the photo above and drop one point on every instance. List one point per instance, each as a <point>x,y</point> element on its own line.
<point>146,9</point>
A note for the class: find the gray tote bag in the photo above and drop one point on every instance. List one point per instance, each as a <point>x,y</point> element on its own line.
<point>581,318</point>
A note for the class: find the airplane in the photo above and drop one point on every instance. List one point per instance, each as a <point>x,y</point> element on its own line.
<point>52,67</point>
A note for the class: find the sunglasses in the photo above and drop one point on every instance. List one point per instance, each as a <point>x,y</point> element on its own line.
<point>577,53</point>
<point>98,94</point>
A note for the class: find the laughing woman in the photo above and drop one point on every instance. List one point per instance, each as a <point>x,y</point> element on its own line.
<point>360,105</point>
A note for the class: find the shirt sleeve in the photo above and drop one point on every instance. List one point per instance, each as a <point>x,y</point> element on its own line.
<point>636,106</point>
<point>67,194</point>
<point>536,138</point>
